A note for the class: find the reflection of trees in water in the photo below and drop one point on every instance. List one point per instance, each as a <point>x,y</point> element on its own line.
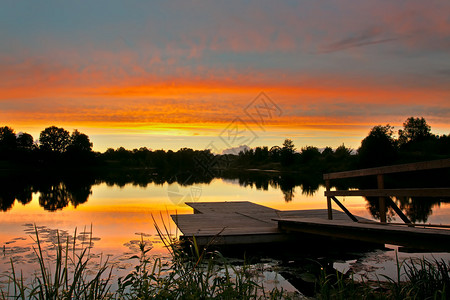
<point>57,191</point>
<point>12,189</point>
<point>54,193</point>
<point>286,182</point>
<point>79,191</point>
<point>287,185</point>
<point>7,199</point>
<point>417,209</point>
<point>373,205</point>
<point>54,197</point>
<point>58,195</point>
<point>25,195</point>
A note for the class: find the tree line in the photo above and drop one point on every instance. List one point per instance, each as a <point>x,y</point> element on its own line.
<point>55,145</point>
<point>414,142</point>
<point>382,146</point>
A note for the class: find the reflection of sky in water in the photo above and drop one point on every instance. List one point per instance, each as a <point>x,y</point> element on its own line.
<point>119,216</point>
<point>373,265</point>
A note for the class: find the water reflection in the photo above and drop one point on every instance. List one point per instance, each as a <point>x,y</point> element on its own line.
<point>13,189</point>
<point>286,182</point>
<point>417,209</point>
<point>57,191</point>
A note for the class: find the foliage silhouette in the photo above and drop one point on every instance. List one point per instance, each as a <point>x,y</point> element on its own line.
<point>54,139</point>
<point>79,143</point>
<point>25,141</point>
<point>378,148</point>
<point>60,153</point>
<point>7,140</point>
<point>287,153</point>
<point>414,130</point>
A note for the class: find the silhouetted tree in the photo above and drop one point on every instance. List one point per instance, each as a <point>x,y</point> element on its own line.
<point>274,153</point>
<point>159,159</point>
<point>54,139</point>
<point>342,152</point>
<point>7,140</point>
<point>414,130</point>
<point>79,143</point>
<point>25,141</point>
<point>327,151</point>
<point>261,154</point>
<point>443,145</point>
<point>287,152</point>
<point>378,148</point>
<point>246,157</point>
<point>309,154</point>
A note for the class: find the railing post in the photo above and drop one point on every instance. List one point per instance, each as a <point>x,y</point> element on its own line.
<point>330,212</point>
<point>381,200</point>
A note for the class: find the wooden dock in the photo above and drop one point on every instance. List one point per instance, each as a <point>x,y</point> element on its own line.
<point>415,237</point>
<point>243,222</point>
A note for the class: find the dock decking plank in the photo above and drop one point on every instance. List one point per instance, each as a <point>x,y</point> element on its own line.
<point>243,222</point>
<point>422,238</point>
<point>239,221</point>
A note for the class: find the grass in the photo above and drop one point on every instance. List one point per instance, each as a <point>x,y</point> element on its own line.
<point>423,279</point>
<point>196,275</point>
<point>199,274</point>
<point>65,278</point>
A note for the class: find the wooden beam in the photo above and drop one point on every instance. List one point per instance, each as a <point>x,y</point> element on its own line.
<point>398,210</point>
<point>426,165</point>
<point>420,238</point>
<point>381,199</point>
<point>347,212</point>
<point>330,210</point>
<point>422,192</point>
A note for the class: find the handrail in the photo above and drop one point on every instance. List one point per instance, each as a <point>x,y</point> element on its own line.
<point>383,193</point>
<point>412,192</point>
<point>426,165</point>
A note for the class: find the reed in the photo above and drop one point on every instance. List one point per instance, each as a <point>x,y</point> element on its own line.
<point>64,278</point>
<point>201,274</point>
<point>193,274</point>
<point>423,279</point>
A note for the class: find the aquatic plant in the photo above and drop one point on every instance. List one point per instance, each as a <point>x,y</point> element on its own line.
<point>422,279</point>
<point>194,274</point>
<point>67,277</point>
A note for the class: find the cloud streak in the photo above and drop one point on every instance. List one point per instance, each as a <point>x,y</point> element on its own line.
<point>177,63</point>
<point>368,37</point>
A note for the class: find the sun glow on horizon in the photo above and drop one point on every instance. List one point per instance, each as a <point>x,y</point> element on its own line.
<point>187,77</point>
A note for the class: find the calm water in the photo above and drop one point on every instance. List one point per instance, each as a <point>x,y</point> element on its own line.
<point>120,212</point>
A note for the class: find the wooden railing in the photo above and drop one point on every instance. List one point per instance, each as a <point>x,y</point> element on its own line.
<point>382,193</point>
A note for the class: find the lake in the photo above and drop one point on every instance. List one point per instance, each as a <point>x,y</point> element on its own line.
<point>119,209</point>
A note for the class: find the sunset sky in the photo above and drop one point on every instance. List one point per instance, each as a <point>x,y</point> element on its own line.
<point>220,74</point>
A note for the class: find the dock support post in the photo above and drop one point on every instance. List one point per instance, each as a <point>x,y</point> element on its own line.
<point>330,212</point>
<point>381,200</point>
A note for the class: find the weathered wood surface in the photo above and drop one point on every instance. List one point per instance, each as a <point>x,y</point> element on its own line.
<point>243,222</point>
<point>421,238</point>
<point>410,192</point>
<point>239,222</point>
<point>383,193</point>
<point>427,165</point>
